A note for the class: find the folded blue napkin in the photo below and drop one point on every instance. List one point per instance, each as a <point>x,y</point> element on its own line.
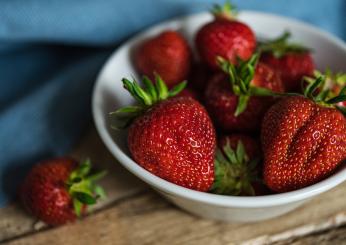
<point>51,51</point>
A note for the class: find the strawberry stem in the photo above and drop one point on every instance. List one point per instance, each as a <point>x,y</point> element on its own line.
<point>226,11</point>
<point>145,97</point>
<point>240,77</point>
<point>280,46</point>
<point>82,188</point>
<point>316,91</point>
<point>234,172</point>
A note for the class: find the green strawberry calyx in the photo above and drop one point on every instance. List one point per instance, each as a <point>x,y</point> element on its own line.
<point>234,172</point>
<point>82,186</point>
<point>226,11</point>
<point>320,92</point>
<point>146,96</point>
<point>240,77</point>
<point>280,46</point>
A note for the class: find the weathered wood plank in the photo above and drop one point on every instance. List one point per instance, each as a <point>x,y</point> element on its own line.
<point>149,219</point>
<point>119,183</point>
<point>330,237</point>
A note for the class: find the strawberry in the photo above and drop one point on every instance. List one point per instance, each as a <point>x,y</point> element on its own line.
<point>303,139</point>
<point>167,54</point>
<point>236,102</point>
<point>58,190</point>
<point>291,60</point>
<point>236,166</point>
<point>171,137</point>
<point>225,37</point>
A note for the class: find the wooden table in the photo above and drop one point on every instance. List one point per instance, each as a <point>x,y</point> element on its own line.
<point>134,214</point>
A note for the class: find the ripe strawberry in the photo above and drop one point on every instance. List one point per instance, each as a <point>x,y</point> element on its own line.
<point>236,166</point>
<point>225,37</point>
<point>57,191</point>
<point>292,61</point>
<point>167,54</point>
<point>172,138</point>
<point>303,140</point>
<point>236,102</point>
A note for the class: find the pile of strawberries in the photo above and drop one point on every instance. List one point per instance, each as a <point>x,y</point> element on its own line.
<point>254,119</point>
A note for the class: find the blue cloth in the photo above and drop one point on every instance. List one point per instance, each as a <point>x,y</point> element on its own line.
<point>51,51</point>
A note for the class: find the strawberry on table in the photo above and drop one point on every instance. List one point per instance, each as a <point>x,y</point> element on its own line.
<point>238,98</point>
<point>292,61</point>
<point>171,137</point>
<point>236,166</point>
<point>57,191</point>
<point>303,139</point>
<point>167,54</point>
<point>226,37</point>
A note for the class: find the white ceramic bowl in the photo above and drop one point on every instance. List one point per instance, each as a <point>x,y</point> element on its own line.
<point>109,95</point>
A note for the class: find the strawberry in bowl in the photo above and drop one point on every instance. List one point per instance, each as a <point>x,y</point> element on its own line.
<point>224,185</point>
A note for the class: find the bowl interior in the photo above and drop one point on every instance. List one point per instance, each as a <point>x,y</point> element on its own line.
<point>109,95</point>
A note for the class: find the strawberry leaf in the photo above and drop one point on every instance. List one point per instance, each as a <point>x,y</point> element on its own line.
<point>97,176</point>
<point>161,87</point>
<point>146,97</point>
<point>242,104</point>
<point>77,205</point>
<point>240,153</point>
<point>82,188</point>
<point>280,46</point>
<point>227,11</point>
<point>150,88</point>
<point>336,99</point>
<point>230,154</point>
<point>100,192</point>
<point>234,173</point>
<point>85,198</point>
<point>177,89</point>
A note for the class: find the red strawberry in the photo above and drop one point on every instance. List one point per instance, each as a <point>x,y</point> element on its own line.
<point>57,191</point>
<point>292,61</point>
<point>225,37</point>
<point>236,166</point>
<point>235,102</point>
<point>173,138</point>
<point>303,141</point>
<point>167,54</point>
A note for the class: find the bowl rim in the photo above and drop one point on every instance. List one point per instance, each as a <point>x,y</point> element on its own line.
<point>169,188</point>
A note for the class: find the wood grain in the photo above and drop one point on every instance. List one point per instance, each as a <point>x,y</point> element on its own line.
<point>149,219</point>
<point>119,183</point>
<point>330,237</point>
<point>134,214</point>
